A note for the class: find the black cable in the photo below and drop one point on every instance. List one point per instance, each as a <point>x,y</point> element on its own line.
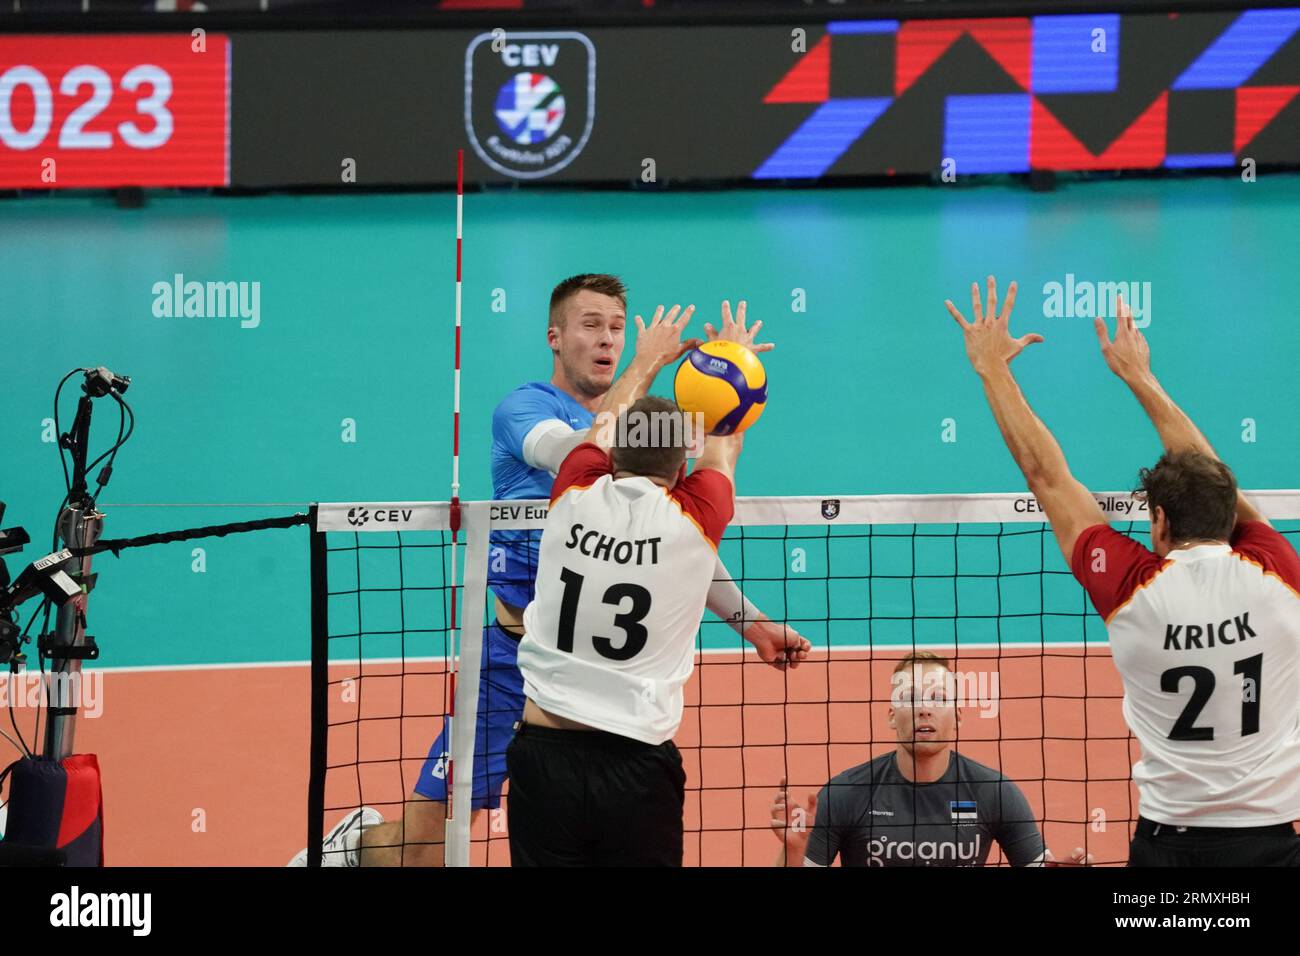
<point>124,410</point>
<point>123,407</point>
<point>58,515</point>
<point>45,629</point>
<point>67,481</point>
<point>117,545</point>
<point>4,774</point>
<point>13,718</point>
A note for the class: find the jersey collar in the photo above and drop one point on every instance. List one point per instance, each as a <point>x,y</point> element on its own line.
<point>1199,552</point>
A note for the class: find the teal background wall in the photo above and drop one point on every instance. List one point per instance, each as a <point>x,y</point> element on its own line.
<point>356,301</point>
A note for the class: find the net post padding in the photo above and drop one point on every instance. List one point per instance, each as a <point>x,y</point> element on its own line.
<point>320,652</point>
<point>475,522</point>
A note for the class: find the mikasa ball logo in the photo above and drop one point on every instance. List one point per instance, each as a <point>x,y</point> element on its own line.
<point>530,99</point>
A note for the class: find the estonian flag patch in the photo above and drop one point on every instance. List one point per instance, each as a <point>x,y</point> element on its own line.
<point>963,810</point>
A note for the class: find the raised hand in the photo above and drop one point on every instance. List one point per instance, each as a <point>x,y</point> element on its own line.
<point>1128,356</point>
<point>791,822</point>
<point>735,331</point>
<point>660,343</point>
<point>988,339</point>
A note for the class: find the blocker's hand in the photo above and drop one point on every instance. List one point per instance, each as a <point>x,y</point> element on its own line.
<point>660,343</point>
<point>1128,356</point>
<point>778,644</point>
<point>988,340</point>
<point>735,331</point>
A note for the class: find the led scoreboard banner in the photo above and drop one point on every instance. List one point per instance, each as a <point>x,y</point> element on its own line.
<point>347,109</point>
<point>114,110</point>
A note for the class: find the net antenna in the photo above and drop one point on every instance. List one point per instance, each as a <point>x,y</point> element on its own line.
<point>454,514</point>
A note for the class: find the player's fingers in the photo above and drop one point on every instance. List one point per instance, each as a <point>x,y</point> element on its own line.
<point>740,313</point>
<point>657,317</point>
<point>686,316</point>
<point>686,346</point>
<point>1009,304</point>
<point>726,313</point>
<point>991,303</point>
<point>753,333</point>
<point>640,324</point>
<point>952,310</point>
<point>977,307</point>
<point>712,332</point>
<point>1103,334</point>
<point>1030,339</point>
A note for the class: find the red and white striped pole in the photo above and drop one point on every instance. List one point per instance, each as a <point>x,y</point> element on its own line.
<point>454,516</point>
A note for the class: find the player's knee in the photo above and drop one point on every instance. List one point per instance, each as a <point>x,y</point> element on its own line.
<point>425,819</point>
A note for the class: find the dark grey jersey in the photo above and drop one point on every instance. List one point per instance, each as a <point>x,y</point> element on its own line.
<point>871,815</point>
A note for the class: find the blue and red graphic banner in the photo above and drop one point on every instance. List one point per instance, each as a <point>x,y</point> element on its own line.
<point>1072,92</point>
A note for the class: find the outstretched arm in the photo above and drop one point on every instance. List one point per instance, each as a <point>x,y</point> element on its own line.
<point>1129,357</point>
<point>776,642</point>
<point>657,344</point>
<point>1069,506</point>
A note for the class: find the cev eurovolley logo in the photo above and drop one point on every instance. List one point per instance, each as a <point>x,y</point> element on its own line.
<point>530,100</point>
<point>530,108</point>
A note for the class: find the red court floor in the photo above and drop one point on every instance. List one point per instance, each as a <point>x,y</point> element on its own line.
<point>209,766</point>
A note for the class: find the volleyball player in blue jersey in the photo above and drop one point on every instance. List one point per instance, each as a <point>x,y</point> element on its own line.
<point>533,429</point>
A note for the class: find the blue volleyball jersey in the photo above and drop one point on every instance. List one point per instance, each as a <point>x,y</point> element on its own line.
<point>512,557</point>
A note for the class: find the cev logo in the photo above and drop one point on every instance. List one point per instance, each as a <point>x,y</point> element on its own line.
<point>530,54</point>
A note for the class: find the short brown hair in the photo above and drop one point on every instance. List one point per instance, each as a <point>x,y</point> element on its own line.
<point>1198,494</point>
<point>922,657</point>
<point>652,438</point>
<point>593,281</point>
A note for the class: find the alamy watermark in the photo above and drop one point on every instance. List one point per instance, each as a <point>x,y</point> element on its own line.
<point>83,690</point>
<point>938,687</point>
<point>208,300</point>
<point>651,429</point>
<point>1083,299</point>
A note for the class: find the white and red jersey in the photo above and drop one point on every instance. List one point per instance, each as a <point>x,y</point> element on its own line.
<point>1207,643</point>
<point>623,570</point>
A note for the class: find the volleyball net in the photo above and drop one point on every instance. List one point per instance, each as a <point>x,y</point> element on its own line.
<point>977,579</point>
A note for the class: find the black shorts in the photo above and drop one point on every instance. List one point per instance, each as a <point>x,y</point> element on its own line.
<point>589,798</point>
<point>1159,844</point>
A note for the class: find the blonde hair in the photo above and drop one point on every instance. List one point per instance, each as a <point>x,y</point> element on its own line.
<point>922,657</point>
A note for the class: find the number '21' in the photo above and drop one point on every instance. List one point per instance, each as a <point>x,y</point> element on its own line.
<point>1250,668</point>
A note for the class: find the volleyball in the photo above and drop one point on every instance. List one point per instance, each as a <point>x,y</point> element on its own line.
<point>726,383</point>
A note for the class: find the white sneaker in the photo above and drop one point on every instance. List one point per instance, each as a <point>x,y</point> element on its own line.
<point>342,845</point>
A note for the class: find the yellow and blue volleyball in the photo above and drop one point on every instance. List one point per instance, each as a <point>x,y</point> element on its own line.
<point>726,383</point>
